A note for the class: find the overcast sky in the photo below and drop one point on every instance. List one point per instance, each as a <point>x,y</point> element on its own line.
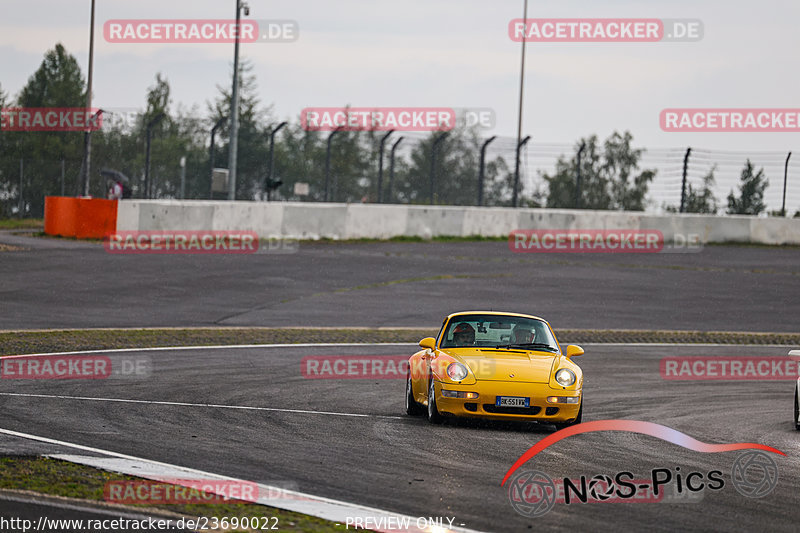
<point>447,53</point>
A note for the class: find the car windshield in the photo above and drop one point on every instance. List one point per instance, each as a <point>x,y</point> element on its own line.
<point>498,330</point>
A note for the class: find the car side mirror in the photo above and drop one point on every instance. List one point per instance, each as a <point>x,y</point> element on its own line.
<point>573,350</point>
<point>428,343</point>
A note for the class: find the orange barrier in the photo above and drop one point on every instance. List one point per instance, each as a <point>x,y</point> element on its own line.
<point>96,218</point>
<point>83,218</point>
<point>60,215</point>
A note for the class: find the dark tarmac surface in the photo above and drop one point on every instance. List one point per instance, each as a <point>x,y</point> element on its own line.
<point>404,464</point>
<point>67,284</point>
<point>386,459</point>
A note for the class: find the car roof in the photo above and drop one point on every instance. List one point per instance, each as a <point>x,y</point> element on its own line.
<point>496,313</point>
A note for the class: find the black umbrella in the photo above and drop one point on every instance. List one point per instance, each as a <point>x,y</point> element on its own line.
<point>115,175</point>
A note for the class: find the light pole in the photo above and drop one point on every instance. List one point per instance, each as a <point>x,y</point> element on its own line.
<point>435,144</point>
<point>785,176</point>
<point>272,158</point>
<point>150,125</point>
<point>234,144</point>
<point>87,151</point>
<point>380,166</point>
<point>578,176</point>
<point>183,178</point>
<point>519,117</point>
<point>683,181</point>
<point>391,168</point>
<point>520,144</point>
<point>87,146</point>
<point>481,169</point>
<point>328,166</point>
<point>211,151</point>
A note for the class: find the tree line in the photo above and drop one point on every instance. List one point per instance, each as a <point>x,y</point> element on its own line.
<point>37,164</point>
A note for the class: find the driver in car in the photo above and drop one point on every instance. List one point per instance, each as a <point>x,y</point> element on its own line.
<point>523,335</point>
<point>464,335</point>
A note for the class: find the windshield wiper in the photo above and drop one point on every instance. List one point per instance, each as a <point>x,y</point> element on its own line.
<point>528,345</point>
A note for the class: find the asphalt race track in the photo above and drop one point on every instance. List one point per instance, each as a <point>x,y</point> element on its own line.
<point>249,413</point>
<point>64,284</point>
<point>388,460</point>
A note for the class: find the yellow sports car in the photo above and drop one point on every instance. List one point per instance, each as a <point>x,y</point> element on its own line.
<point>503,366</point>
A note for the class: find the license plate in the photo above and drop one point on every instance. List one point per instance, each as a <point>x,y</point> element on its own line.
<point>512,401</point>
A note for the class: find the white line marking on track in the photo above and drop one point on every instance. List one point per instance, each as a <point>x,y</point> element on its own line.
<point>326,508</point>
<point>218,347</point>
<point>210,405</point>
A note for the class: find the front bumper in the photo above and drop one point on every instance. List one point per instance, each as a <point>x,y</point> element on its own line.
<point>484,406</point>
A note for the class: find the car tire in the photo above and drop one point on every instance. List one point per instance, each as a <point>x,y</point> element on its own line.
<point>577,420</point>
<point>412,407</point>
<point>433,412</point>
<point>796,408</point>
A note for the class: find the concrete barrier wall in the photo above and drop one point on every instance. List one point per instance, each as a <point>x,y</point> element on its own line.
<point>356,221</point>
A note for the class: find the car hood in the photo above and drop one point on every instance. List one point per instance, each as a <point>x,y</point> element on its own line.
<point>509,365</point>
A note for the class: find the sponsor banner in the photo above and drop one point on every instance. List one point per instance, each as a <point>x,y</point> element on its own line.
<point>728,368</point>
<point>182,242</point>
<point>378,118</point>
<point>78,119</point>
<point>730,120</point>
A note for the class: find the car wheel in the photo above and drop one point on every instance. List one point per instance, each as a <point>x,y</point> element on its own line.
<point>412,407</point>
<point>576,421</point>
<point>433,412</point>
<point>796,408</point>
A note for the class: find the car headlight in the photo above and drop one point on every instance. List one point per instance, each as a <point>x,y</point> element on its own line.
<point>565,377</point>
<point>456,371</point>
